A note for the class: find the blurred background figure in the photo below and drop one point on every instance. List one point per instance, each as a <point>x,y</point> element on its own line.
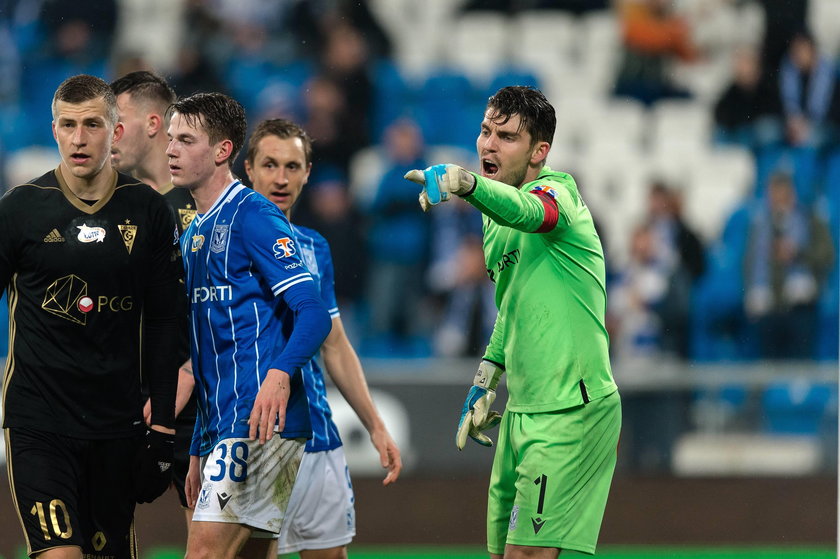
<point>636,294</point>
<point>653,293</point>
<point>789,256</point>
<point>654,38</point>
<point>458,274</point>
<point>743,113</point>
<point>398,248</point>
<point>681,252</point>
<point>808,88</point>
<point>329,209</point>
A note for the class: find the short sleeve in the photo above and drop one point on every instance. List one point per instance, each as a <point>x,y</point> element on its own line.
<point>273,249</point>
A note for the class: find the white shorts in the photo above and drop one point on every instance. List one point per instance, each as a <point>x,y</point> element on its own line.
<point>243,482</point>
<point>320,513</point>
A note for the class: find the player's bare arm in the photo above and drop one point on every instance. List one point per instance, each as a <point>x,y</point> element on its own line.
<point>345,369</point>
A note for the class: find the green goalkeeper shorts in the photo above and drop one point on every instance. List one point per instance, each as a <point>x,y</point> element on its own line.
<point>551,476</point>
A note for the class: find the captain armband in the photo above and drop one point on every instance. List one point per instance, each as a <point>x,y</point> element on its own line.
<point>548,197</point>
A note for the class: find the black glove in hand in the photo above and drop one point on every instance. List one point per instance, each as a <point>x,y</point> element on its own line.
<point>153,466</point>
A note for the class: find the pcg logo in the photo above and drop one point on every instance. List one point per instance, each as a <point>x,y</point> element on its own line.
<point>68,298</point>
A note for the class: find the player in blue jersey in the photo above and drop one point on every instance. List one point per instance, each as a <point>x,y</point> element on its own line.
<point>321,517</point>
<point>242,268</point>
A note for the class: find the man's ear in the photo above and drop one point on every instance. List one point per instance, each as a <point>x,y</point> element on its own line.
<point>154,124</point>
<point>119,128</point>
<point>249,171</point>
<point>540,152</point>
<point>224,151</point>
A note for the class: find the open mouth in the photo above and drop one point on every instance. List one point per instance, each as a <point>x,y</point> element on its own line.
<point>488,168</point>
<point>79,158</point>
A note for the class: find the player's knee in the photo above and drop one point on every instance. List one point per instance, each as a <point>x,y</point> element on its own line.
<point>197,549</point>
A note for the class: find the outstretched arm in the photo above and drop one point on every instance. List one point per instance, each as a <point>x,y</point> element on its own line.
<point>345,369</point>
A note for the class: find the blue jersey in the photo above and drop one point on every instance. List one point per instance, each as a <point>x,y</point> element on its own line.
<point>238,258</point>
<point>315,252</point>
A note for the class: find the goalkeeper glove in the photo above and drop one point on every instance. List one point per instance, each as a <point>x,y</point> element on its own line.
<point>153,466</point>
<point>476,415</point>
<point>439,182</point>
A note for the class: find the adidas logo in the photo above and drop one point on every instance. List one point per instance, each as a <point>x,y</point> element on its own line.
<point>54,237</point>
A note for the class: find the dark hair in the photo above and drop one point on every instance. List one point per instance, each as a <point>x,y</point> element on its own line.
<point>146,87</point>
<point>83,87</point>
<point>283,129</point>
<point>222,117</point>
<point>535,112</point>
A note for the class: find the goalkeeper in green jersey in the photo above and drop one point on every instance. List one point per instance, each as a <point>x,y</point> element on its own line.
<point>558,436</point>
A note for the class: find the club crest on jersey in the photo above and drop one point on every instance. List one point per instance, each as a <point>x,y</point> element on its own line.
<point>546,190</point>
<point>128,233</point>
<point>90,234</point>
<point>197,243</point>
<point>186,215</point>
<point>218,242</point>
<point>284,248</point>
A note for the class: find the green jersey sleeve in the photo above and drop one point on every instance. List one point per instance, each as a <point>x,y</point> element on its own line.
<point>496,349</point>
<point>545,258</point>
<point>547,204</point>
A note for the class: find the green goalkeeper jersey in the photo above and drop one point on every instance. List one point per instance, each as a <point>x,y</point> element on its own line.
<point>545,257</point>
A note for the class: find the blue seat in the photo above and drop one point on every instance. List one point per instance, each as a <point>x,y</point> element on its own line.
<point>448,109</point>
<point>797,407</point>
<point>394,98</point>
<point>719,329</point>
<point>511,75</point>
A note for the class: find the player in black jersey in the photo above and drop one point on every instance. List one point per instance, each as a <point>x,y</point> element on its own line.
<point>142,102</point>
<point>90,260</point>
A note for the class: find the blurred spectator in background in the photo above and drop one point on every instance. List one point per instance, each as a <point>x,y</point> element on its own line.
<point>201,54</point>
<point>312,22</point>
<point>81,30</point>
<point>338,99</point>
<point>398,243</point>
<point>807,85</point>
<point>782,20</point>
<point>69,38</point>
<point>743,114</point>
<point>653,301</point>
<point>654,37</point>
<point>458,273</point>
<point>330,211</point>
<point>680,250</point>
<point>636,291</point>
<point>789,255</point>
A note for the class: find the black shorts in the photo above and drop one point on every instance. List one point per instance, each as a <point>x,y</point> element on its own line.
<point>74,492</point>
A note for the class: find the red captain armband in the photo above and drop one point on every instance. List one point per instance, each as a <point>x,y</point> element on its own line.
<point>547,196</point>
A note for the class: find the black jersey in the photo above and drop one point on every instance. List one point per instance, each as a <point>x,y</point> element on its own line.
<point>183,207</point>
<point>182,203</point>
<point>80,277</point>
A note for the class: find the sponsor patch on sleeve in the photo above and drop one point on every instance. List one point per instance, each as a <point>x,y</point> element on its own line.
<point>284,248</point>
